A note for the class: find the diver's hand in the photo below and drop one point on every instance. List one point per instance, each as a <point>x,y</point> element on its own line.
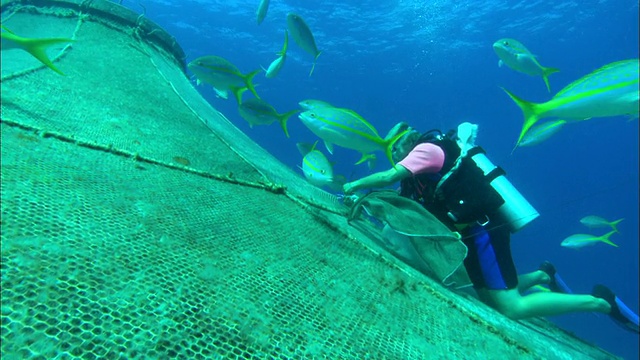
<point>348,188</point>
<point>348,200</point>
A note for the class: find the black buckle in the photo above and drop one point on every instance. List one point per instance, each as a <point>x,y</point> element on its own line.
<point>484,223</point>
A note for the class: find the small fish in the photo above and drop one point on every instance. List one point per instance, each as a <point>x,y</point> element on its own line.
<point>346,128</point>
<point>35,46</point>
<point>516,56</point>
<point>593,221</point>
<point>612,90</point>
<point>578,241</point>
<point>310,104</point>
<point>259,112</point>
<point>223,75</point>
<point>303,36</point>
<point>219,93</point>
<point>541,132</point>
<point>277,64</point>
<point>317,169</point>
<point>261,13</point>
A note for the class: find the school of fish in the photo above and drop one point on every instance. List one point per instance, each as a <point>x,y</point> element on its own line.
<point>578,241</point>
<point>611,90</point>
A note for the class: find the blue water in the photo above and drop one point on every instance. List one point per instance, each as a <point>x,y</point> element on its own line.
<point>431,63</point>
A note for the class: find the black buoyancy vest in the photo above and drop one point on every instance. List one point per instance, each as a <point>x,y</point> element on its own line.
<point>467,195</point>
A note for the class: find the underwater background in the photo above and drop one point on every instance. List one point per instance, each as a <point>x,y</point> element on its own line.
<point>431,63</point>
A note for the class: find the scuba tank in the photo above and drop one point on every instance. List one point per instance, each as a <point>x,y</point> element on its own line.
<point>516,211</point>
<point>476,190</point>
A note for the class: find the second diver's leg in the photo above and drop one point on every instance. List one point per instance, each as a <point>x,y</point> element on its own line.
<point>516,306</point>
<point>526,281</point>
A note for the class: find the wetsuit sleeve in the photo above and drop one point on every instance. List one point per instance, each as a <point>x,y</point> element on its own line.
<point>424,158</point>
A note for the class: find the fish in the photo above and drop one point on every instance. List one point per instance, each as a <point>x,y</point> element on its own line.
<point>259,112</point>
<point>261,12</point>
<point>219,93</point>
<point>223,75</point>
<point>578,241</point>
<point>346,128</point>
<point>541,132</point>
<point>277,64</point>
<point>611,90</point>
<point>35,46</point>
<point>312,104</point>
<point>516,56</point>
<point>303,36</point>
<point>593,221</point>
<point>305,148</point>
<point>317,169</point>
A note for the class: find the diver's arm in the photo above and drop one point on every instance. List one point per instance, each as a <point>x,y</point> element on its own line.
<point>378,180</point>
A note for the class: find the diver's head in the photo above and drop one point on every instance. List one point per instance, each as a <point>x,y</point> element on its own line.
<point>406,143</point>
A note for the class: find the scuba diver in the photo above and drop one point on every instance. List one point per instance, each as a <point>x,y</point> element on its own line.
<point>454,180</point>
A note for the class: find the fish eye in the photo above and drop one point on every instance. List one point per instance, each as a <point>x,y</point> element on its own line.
<point>322,172</point>
<point>313,115</point>
<point>506,43</point>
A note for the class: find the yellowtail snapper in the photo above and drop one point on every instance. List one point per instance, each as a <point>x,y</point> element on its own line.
<point>312,104</point>
<point>541,132</point>
<point>317,169</point>
<point>578,241</point>
<point>277,64</point>
<point>611,90</point>
<point>516,56</point>
<point>223,75</point>
<point>259,112</point>
<point>261,12</point>
<point>346,128</point>
<point>303,36</point>
<point>593,221</point>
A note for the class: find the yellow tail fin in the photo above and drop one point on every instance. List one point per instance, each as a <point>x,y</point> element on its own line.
<point>283,122</point>
<point>545,75</point>
<point>248,80</point>
<point>528,110</point>
<point>388,146</point>
<point>605,238</point>
<point>38,47</point>
<point>315,59</point>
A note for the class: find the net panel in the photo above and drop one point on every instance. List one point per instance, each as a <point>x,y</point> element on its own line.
<point>101,257</point>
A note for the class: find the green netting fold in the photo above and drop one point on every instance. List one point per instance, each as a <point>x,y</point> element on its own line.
<point>415,236</point>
